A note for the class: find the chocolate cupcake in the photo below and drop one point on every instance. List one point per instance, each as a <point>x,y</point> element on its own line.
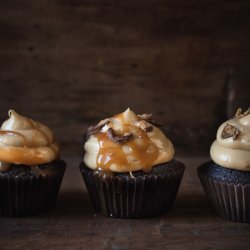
<point>226,179</point>
<point>128,167</point>
<point>30,169</point>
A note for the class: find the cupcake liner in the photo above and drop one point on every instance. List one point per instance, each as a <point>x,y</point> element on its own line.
<point>123,196</point>
<point>28,194</point>
<point>230,201</point>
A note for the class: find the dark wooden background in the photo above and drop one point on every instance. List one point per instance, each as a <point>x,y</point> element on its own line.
<point>70,63</point>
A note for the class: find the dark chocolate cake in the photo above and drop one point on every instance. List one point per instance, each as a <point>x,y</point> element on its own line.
<point>227,175</point>
<point>228,191</point>
<point>139,195</point>
<point>26,190</point>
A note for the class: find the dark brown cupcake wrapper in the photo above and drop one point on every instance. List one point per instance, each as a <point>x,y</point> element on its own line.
<point>127,197</point>
<point>228,200</point>
<point>27,195</point>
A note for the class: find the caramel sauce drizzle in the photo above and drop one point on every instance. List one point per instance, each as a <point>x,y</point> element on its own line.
<point>34,126</point>
<point>25,142</point>
<point>139,151</point>
<point>17,154</point>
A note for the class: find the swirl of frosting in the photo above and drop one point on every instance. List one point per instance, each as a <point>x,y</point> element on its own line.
<point>231,149</point>
<point>125,143</point>
<point>24,141</point>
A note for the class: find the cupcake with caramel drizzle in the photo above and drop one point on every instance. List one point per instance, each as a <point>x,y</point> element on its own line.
<point>24,141</point>
<point>130,149</point>
<point>29,158</point>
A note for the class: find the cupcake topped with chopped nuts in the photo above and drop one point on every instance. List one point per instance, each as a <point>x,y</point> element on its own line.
<point>226,179</point>
<point>129,167</point>
<point>231,149</point>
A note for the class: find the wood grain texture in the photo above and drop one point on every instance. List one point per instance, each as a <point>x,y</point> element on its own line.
<point>71,63</point>
<point>72,224</point>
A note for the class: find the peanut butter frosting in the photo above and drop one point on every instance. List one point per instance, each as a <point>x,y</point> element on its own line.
<point>24,141</point>
<point>127,142</point>
<point>231,149</point>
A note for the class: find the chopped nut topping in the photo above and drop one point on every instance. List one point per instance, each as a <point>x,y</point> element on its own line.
<point>119,139</point>
<point>230,131</point>
<point>151,119</point>
<point>239,113</point>
<point>95,129</point>
<point>145,126</point>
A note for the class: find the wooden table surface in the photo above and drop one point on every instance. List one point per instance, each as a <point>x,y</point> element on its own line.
<point>72,224</point>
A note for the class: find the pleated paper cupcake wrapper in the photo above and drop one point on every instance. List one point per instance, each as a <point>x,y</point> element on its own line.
<point>229,201</point>
<point>126,197</point>
<point>27,195</point>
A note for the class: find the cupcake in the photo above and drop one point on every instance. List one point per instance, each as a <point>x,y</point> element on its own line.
<point>128,167</point>
<point>226,179</point>
<point>30,169</point>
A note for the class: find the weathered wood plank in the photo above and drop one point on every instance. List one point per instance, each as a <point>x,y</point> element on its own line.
<point>71,63</point>
<point>72,224</point>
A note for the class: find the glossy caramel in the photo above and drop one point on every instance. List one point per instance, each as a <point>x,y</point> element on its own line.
<point>137,151</point>
<point>28,151</point>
